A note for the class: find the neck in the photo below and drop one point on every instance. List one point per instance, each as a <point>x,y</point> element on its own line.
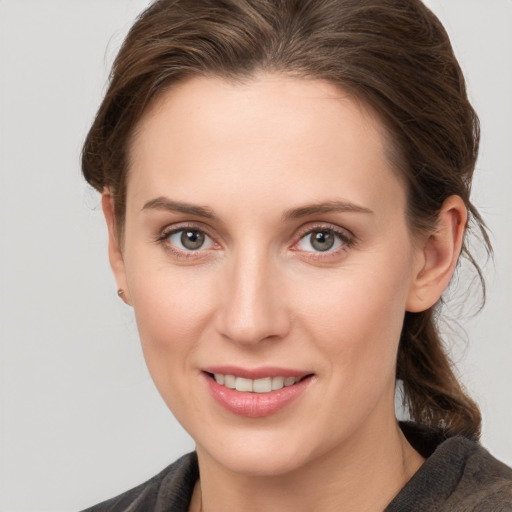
<point>364,475</point>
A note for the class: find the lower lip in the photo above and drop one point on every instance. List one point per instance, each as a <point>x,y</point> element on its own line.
<point>255,405</point>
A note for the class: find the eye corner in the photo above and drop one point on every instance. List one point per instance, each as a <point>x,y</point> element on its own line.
<point>335,240</point>
<point>173,240</point>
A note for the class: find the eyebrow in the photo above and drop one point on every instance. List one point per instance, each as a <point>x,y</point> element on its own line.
<point>325,207</point>
<point>164,203</point>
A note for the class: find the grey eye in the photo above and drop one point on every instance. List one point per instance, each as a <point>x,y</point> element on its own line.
<point>190,240</point>
<point>322,240</point>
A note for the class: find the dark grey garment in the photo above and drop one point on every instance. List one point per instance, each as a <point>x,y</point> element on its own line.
<point>169,491</point>
<point>458,476</point>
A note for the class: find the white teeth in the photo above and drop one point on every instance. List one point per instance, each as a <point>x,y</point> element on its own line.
<point>243,384</point>
<point>229,381</point>
<point>277,383</point>
<point>264,385</point>
<point>289,381</point>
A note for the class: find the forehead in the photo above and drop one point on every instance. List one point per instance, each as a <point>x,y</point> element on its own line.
<point>269,135</point>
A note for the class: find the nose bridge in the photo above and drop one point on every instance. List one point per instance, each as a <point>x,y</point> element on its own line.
<point>252,309</point>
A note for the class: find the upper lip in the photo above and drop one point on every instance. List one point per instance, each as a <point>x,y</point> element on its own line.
<point>256,373</point>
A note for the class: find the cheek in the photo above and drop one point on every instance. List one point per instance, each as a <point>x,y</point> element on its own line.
<point>172,316</point>
<point>172,307</point>
<point>357,315</point>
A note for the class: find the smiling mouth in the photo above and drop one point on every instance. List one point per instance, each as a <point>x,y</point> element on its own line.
<point>267,393</point>
<point>263,385</point>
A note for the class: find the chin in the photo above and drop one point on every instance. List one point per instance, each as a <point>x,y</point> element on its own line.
<point>259,463</point>
<point>261,454</point>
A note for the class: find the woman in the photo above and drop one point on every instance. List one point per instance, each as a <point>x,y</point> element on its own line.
<point>286,186</point>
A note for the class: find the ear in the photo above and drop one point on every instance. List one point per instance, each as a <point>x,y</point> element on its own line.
<point>438,255</point>
<point>115,253</point>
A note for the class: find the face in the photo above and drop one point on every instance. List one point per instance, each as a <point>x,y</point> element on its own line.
<point>266,248</point>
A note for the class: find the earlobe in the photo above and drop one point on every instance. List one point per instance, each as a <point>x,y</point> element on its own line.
<point>439,254</point>
<point>115,252</point>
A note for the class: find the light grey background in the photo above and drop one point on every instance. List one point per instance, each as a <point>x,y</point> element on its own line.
<point>80,419</point>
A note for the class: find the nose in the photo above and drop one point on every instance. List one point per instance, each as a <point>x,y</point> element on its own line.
<point>253,308</point>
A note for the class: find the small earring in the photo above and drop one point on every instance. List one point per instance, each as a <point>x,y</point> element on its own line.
<point>120,292</point>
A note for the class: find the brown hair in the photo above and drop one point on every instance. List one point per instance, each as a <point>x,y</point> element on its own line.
<point>393,55</point>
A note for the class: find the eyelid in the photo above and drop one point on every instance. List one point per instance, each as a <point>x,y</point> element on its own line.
<point>181,226</point>
<point>344,233</point>
<point>347,237</point>
<point>164,234</point>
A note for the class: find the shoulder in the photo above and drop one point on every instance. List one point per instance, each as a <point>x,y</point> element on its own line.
<point>485,482</point>
<point>170,490</point>
<point>458,475</point>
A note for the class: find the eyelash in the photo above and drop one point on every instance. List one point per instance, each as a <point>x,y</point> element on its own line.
<point>163,239</point>
<point>346,238</point>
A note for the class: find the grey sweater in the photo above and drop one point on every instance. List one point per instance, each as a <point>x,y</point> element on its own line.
<point>457,476</point>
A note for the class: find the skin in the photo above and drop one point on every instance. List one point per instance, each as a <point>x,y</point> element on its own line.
<point>258,293</point>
